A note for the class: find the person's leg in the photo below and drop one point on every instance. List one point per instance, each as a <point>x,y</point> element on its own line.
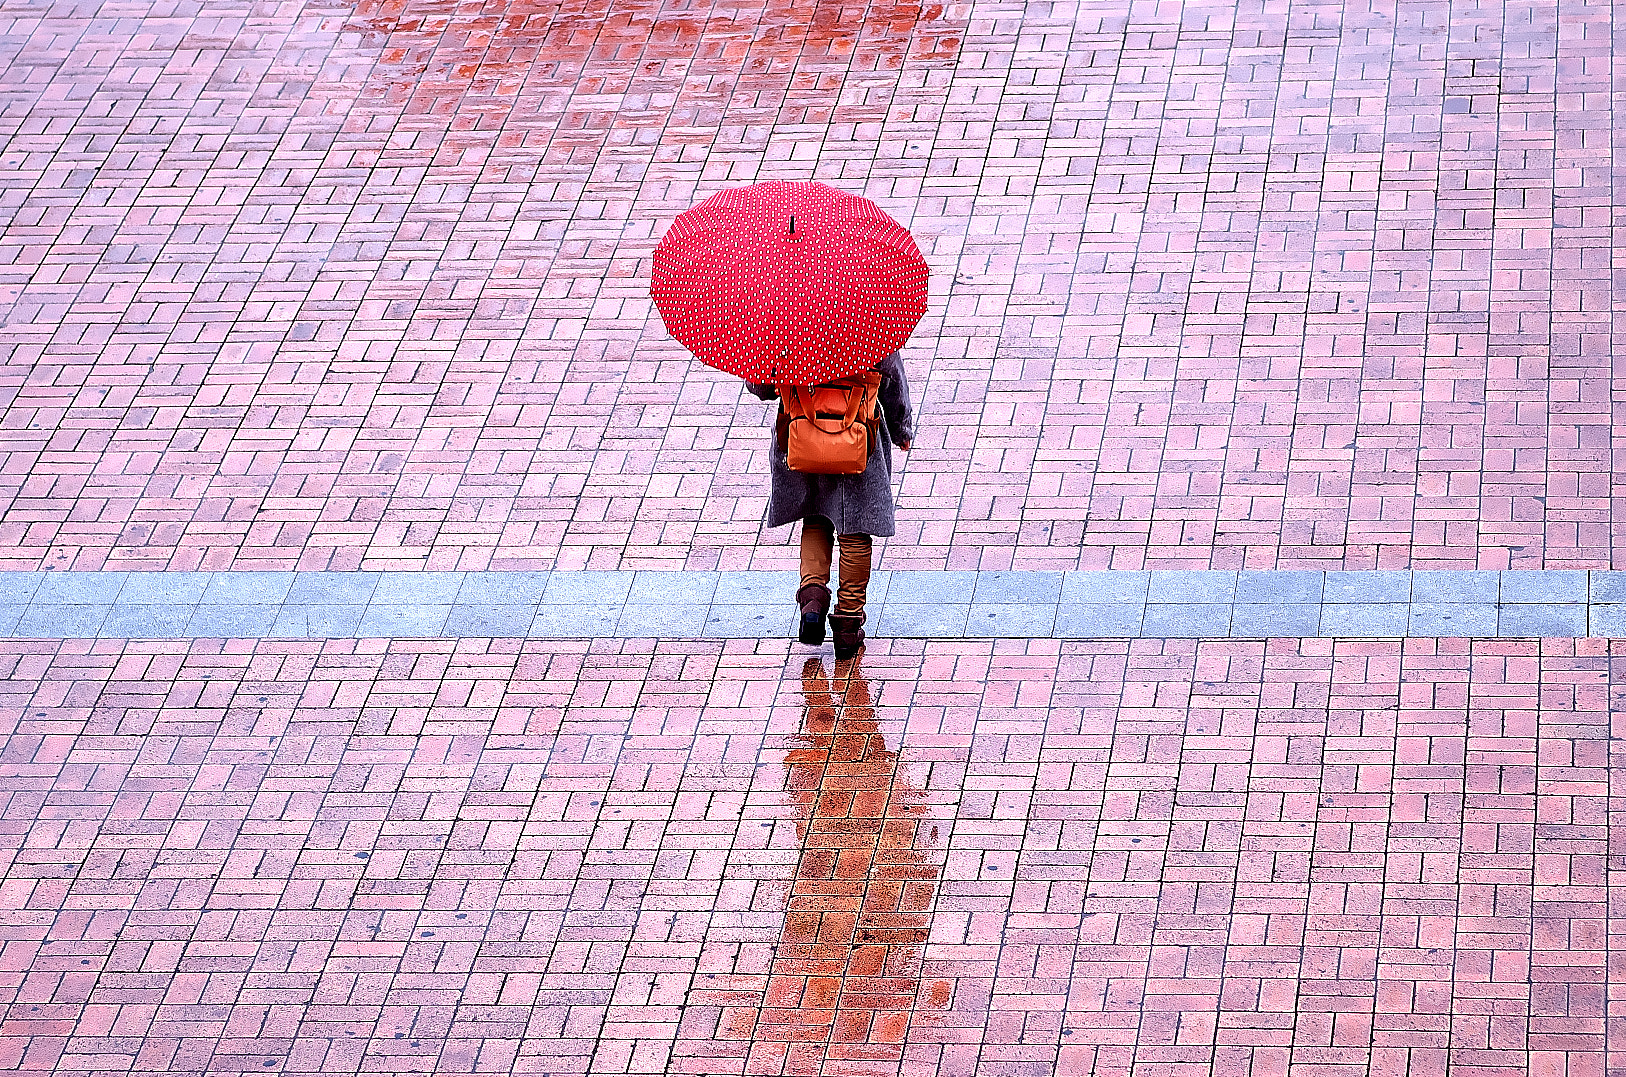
<point>856,551</point>
<point>813,597</point>
<point>818,549</point>
<point>848,619</point>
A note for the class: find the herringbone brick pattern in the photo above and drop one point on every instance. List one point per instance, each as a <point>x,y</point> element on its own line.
<point>1128,857</point>
<point>309,285</point>
<point>331,286</point>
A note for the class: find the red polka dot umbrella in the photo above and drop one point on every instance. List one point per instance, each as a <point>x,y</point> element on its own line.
<point>789,282</point>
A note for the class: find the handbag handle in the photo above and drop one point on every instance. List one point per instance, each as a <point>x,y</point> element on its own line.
<point>805,409</point>
<point>798,406</point>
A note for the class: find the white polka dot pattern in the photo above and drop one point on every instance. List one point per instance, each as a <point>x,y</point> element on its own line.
<point>789,282</point>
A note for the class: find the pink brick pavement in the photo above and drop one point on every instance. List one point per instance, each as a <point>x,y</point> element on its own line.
<point>1170,858</point>
<point>1215,284</point>
<point>340,285</point>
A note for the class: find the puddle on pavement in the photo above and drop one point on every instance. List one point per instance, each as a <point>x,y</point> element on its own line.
<point>877,34</point>
<point>846,977</point>
<point>459,67</point>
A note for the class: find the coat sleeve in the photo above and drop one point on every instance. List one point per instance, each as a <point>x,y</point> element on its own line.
<point>900,413</point>
<point>762,392</point>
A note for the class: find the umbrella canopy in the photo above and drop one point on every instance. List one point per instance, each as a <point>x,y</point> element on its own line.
<point>789,282</point>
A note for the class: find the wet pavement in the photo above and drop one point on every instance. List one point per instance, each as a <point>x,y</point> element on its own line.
<point>954,857</point>
<point>1268,418</point>
<point>330,287</point>
<point>1169,603</point>
<point>846,974</point>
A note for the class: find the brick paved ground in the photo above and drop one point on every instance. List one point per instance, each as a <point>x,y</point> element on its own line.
<point>328,285</point>
<point>1236,286</point>
<point>1147,857</point>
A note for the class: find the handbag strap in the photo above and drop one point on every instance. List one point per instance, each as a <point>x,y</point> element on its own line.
<point>798,402</point>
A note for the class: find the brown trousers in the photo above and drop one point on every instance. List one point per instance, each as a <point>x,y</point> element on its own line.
<point>818,548</point>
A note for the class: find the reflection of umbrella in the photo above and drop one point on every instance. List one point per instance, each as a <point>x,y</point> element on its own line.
<point>784,282</point>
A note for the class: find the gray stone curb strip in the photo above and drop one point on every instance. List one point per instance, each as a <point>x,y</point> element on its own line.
<point>1077,605</point>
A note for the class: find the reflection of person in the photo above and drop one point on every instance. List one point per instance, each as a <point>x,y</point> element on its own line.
<point>853,507</point>
<point>846,971</point>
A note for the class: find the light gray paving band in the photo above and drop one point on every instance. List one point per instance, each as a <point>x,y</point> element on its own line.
<point>1072,605</point>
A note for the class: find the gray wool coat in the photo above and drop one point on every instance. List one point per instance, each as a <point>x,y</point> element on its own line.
<point>856,504</point>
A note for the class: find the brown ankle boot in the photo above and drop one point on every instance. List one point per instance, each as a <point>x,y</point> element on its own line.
<point>814,600</point>
<point>849,632</point>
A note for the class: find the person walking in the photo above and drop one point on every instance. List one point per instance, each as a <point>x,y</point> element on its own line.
<point>849,508</point>
<point>807,292</point>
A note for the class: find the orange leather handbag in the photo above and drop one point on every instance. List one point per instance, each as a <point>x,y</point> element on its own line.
<point>828,427</point>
